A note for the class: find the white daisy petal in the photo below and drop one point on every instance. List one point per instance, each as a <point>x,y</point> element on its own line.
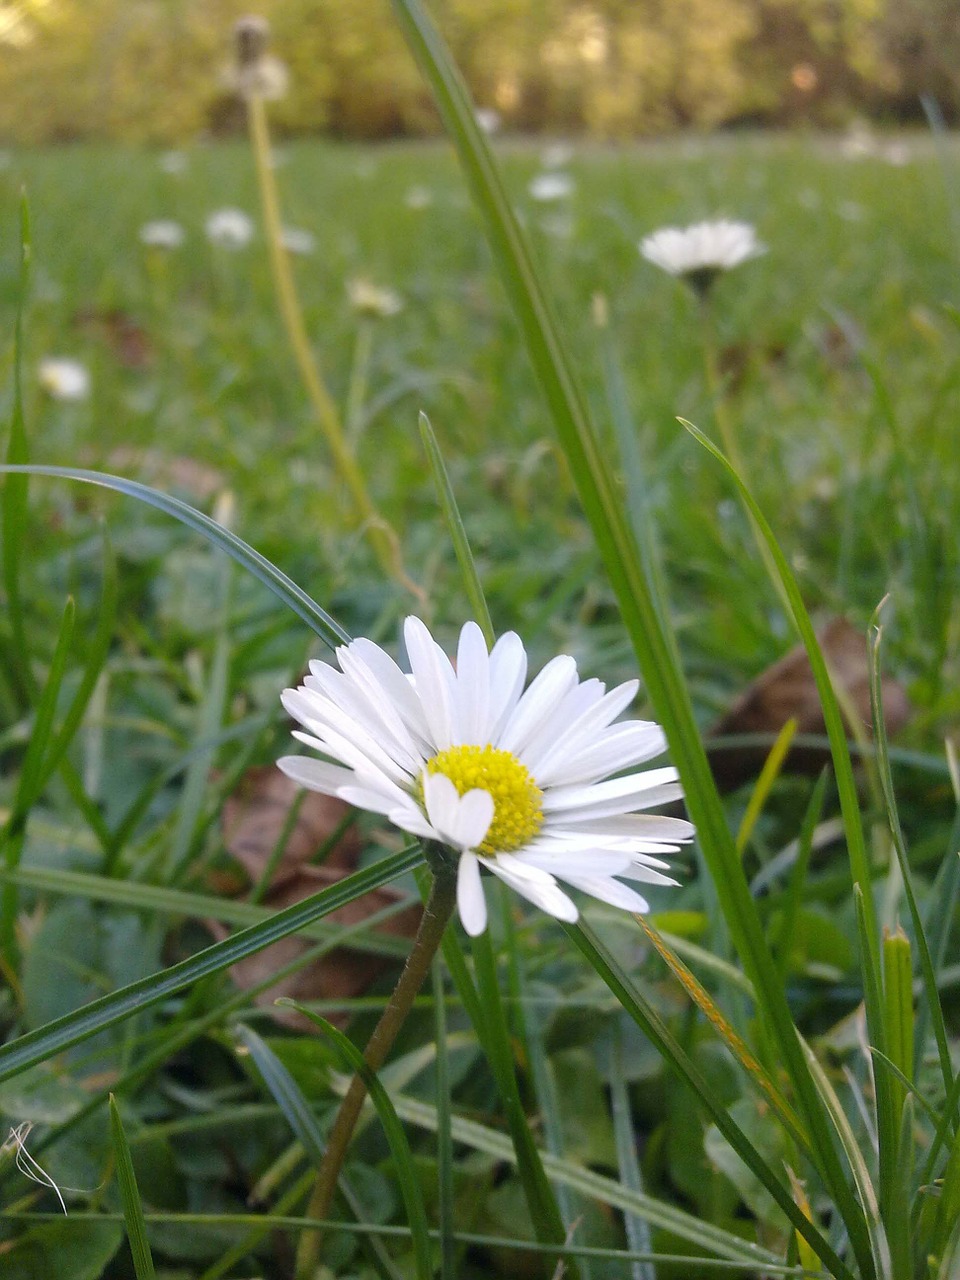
<point>543,892</point>
<point>473,685</point>
<point>538,703</point>
<point>462,821</point>
<point>610,891</point>
<point>471,903</point>
<point>395,685</point>
<point>316,775</point>
<point>433,681</point>
<point>544,782</point>
<point>508,670</point>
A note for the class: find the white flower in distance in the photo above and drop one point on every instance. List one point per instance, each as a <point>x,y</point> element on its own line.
<point>63,378</point>
<point>162,234</point>
<point>517,782</point>
<point>229,228</point>
<point>296,240</point>
<point>372,300</point>
<point>547,187</point>
<point>700,252</point>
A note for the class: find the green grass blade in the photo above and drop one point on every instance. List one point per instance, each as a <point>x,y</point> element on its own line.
<point>833,718</point>
<point>656,1030</point>
<point>628,1164</point>
<point>793,898</point>
<point>493,1033</point>
<point>934,1008</point>
<point>33,772</point>
<point>637,597</point>
<point>458,534</point>
<point>285,588</point>
<point>133,1215</point>
<point>32,777</point>
<point>445,1193</point>
<point>210,716</point>
<point>13,517</point>
<point>760,793</point>
<point>303,1123</point>
<point>866,1191</point>
<point>598,1186</point>
<point>285,1092</point>
<point>194,906</point>
<point>75,1027</point>
<point>96,657</point>
<point>397,1139</point>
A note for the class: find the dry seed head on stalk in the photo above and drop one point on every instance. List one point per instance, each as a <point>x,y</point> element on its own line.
<point>255,72</point>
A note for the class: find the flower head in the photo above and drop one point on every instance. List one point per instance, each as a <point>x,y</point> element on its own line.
<point>162,234</point>
<point>700,252</point>
<point>229,228</point>
<point>372,300</point>
<point>517,782</point>
<point>296,240</point>
<point>547,187</point>
<point>63,378</point>
<point>255,73</point>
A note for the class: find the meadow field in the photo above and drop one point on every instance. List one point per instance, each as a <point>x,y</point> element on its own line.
<point>145,819</point>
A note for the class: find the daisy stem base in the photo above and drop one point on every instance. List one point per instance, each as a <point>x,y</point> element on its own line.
<point>436,914</point>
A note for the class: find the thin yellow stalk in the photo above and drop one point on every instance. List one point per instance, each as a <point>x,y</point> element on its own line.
<point>382,537</point>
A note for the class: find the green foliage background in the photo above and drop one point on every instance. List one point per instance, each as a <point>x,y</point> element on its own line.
<point>147,70</point>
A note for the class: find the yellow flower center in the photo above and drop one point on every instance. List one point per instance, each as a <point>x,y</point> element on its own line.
<point>517,809</point>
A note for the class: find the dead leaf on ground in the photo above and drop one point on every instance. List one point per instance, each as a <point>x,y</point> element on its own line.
<point>126,337</point>
<point>252,821</point>
<point>787,690</point>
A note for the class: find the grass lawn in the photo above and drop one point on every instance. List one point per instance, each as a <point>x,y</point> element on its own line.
<point>838,353</point>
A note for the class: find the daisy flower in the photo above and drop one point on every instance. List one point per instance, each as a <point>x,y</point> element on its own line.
<point>163,233</point>
<point>547,187</point>
<point>63,378</point>
<point>372,300</point>
<point>230,228</point>
<point>535,786</point>
<point>700,252</point>
<point>296,240</point>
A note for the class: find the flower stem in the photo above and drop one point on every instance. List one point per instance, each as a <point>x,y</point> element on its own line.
<point>439,907</point>
<point>383,538</point>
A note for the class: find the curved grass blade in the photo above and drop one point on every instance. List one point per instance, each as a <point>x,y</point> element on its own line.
<point>75,1027</point>
<point>397,1139</point>
<point>130,1198</point>
<point>285,588</point>
<point>637,596</point>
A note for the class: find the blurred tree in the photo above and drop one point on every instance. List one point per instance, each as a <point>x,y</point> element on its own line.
<point>151,70</point>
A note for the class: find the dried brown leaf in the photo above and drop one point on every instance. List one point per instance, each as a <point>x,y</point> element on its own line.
<point>787,691</point>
